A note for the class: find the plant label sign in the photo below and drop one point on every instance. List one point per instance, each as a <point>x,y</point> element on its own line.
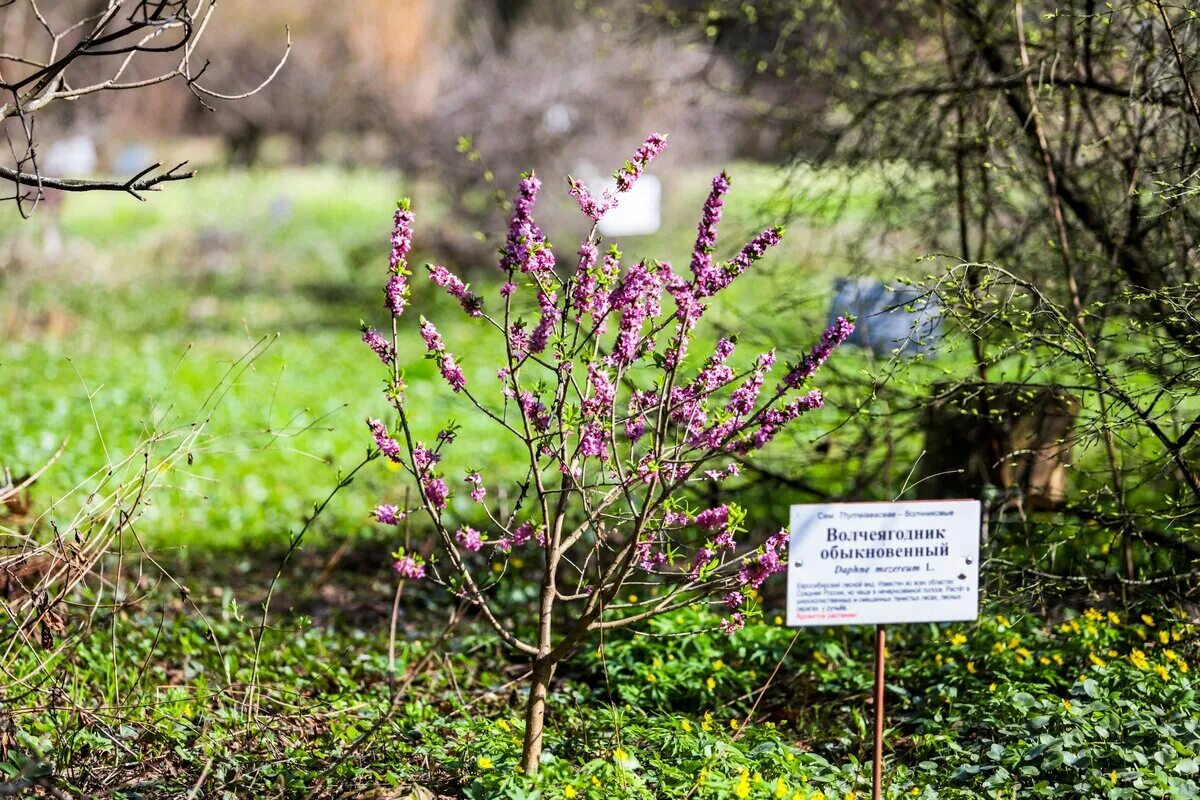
<point>883,563</point>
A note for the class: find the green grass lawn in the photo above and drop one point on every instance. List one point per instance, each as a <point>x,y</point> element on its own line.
<point>157,301</point>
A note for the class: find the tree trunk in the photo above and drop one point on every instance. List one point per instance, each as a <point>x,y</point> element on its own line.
<point>535,716</point>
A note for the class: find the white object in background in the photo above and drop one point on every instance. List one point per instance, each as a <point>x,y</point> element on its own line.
<point>638,211</point>
<point>883,563</point>
<point>72,157</point>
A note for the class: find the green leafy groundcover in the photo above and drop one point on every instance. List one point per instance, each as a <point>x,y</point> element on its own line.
<point>1099,704</point>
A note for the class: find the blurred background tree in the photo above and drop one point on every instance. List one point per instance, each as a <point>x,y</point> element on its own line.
<point>1050,150</point>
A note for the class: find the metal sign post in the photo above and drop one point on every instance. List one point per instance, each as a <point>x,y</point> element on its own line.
<point>883,564</point>
<point>877,766</point>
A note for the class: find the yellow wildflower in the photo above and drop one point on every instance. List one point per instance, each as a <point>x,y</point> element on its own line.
<point>1066,704</point>
<point>1045,662</point>
<point>718,665</point>
<point>1095,659</point>
<point>778,620</point>
<point>819,657</point>
<point>1114,618</point>
<point>1093,614</point>
<point>687,726</point>
<point>1057,659</point>
<point>957,639</point>
<point>1003,620</point>
<point>1149,620</point>
<point>743,788</point>
<point>706,725</point>
<point>484,762</point>
<point>915,791</point>
<point>733,723</point>
<point>1138,659</point>
<point>1176,636</point>
<point>998,647</point>
<point>991,687</point>
<point>710,683</point>
<point>595,781</point>
<point>1113,654</point>
<point>633,598</point>
<point>569,792</point>
<point>1164,637</point>
<point>656,663</point>
<point>1183,667</point>
<point>1112,776</point>
<point>651,678</point>
<point>1023,655</point>
<point>781,788</point>
<point>971,667</point>
<point>1170,655</point>
<point>1163,672</point>
<point>504,726</point>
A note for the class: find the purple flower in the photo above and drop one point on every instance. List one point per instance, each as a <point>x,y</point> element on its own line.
<point>742,400</point>
<point>471,302</point>
<point>437,491</point>
<point>736,621</point>
<point>717,278</point>
<point>524,533</point>
<point>638,298</point>
<point>647,557</point>
<point>402,230</point>
<point>395,294</point>
<point>834,335</point>
<point>388,514</point>
<point>545,327</point>
<point>453,373</point>
<point>379,344</point>
<point>706,233</point>
<point>713,518</point>
<point>518,340</point>
<point>535,411</point>
<point>479,492</point>
<point>592,442</point>
<point>757,568</point>
<point>625,177</point>
<point>525,247</point>
<point>587,279</point>
<point>387,445</point>
<point>508,289</point>
<point>704,557</point>
<point>734,599</point>
<point>589,205</point>
<point>433,339</point>
<point>469,539</point>
<point>410,567</point>
<point>424,458</point>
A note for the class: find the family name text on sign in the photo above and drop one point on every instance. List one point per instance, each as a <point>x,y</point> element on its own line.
<point>884,563</point>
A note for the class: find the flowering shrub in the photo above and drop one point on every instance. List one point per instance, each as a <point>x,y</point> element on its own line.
<point>615,424</point>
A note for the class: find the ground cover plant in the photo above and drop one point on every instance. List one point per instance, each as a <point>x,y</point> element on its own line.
<point>148,697</point>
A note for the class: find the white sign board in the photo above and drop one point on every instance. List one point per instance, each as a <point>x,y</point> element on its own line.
<point>638,211</point>
<point>884,563</point>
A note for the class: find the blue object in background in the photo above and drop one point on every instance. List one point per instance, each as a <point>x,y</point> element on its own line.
<point>883,321</point>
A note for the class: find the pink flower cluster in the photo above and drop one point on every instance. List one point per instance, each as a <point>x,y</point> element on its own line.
<point>625,177</point>
<point>396,290</point>
<point>630,327</point>
<point>471,302</point>
<point>834,335</point>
